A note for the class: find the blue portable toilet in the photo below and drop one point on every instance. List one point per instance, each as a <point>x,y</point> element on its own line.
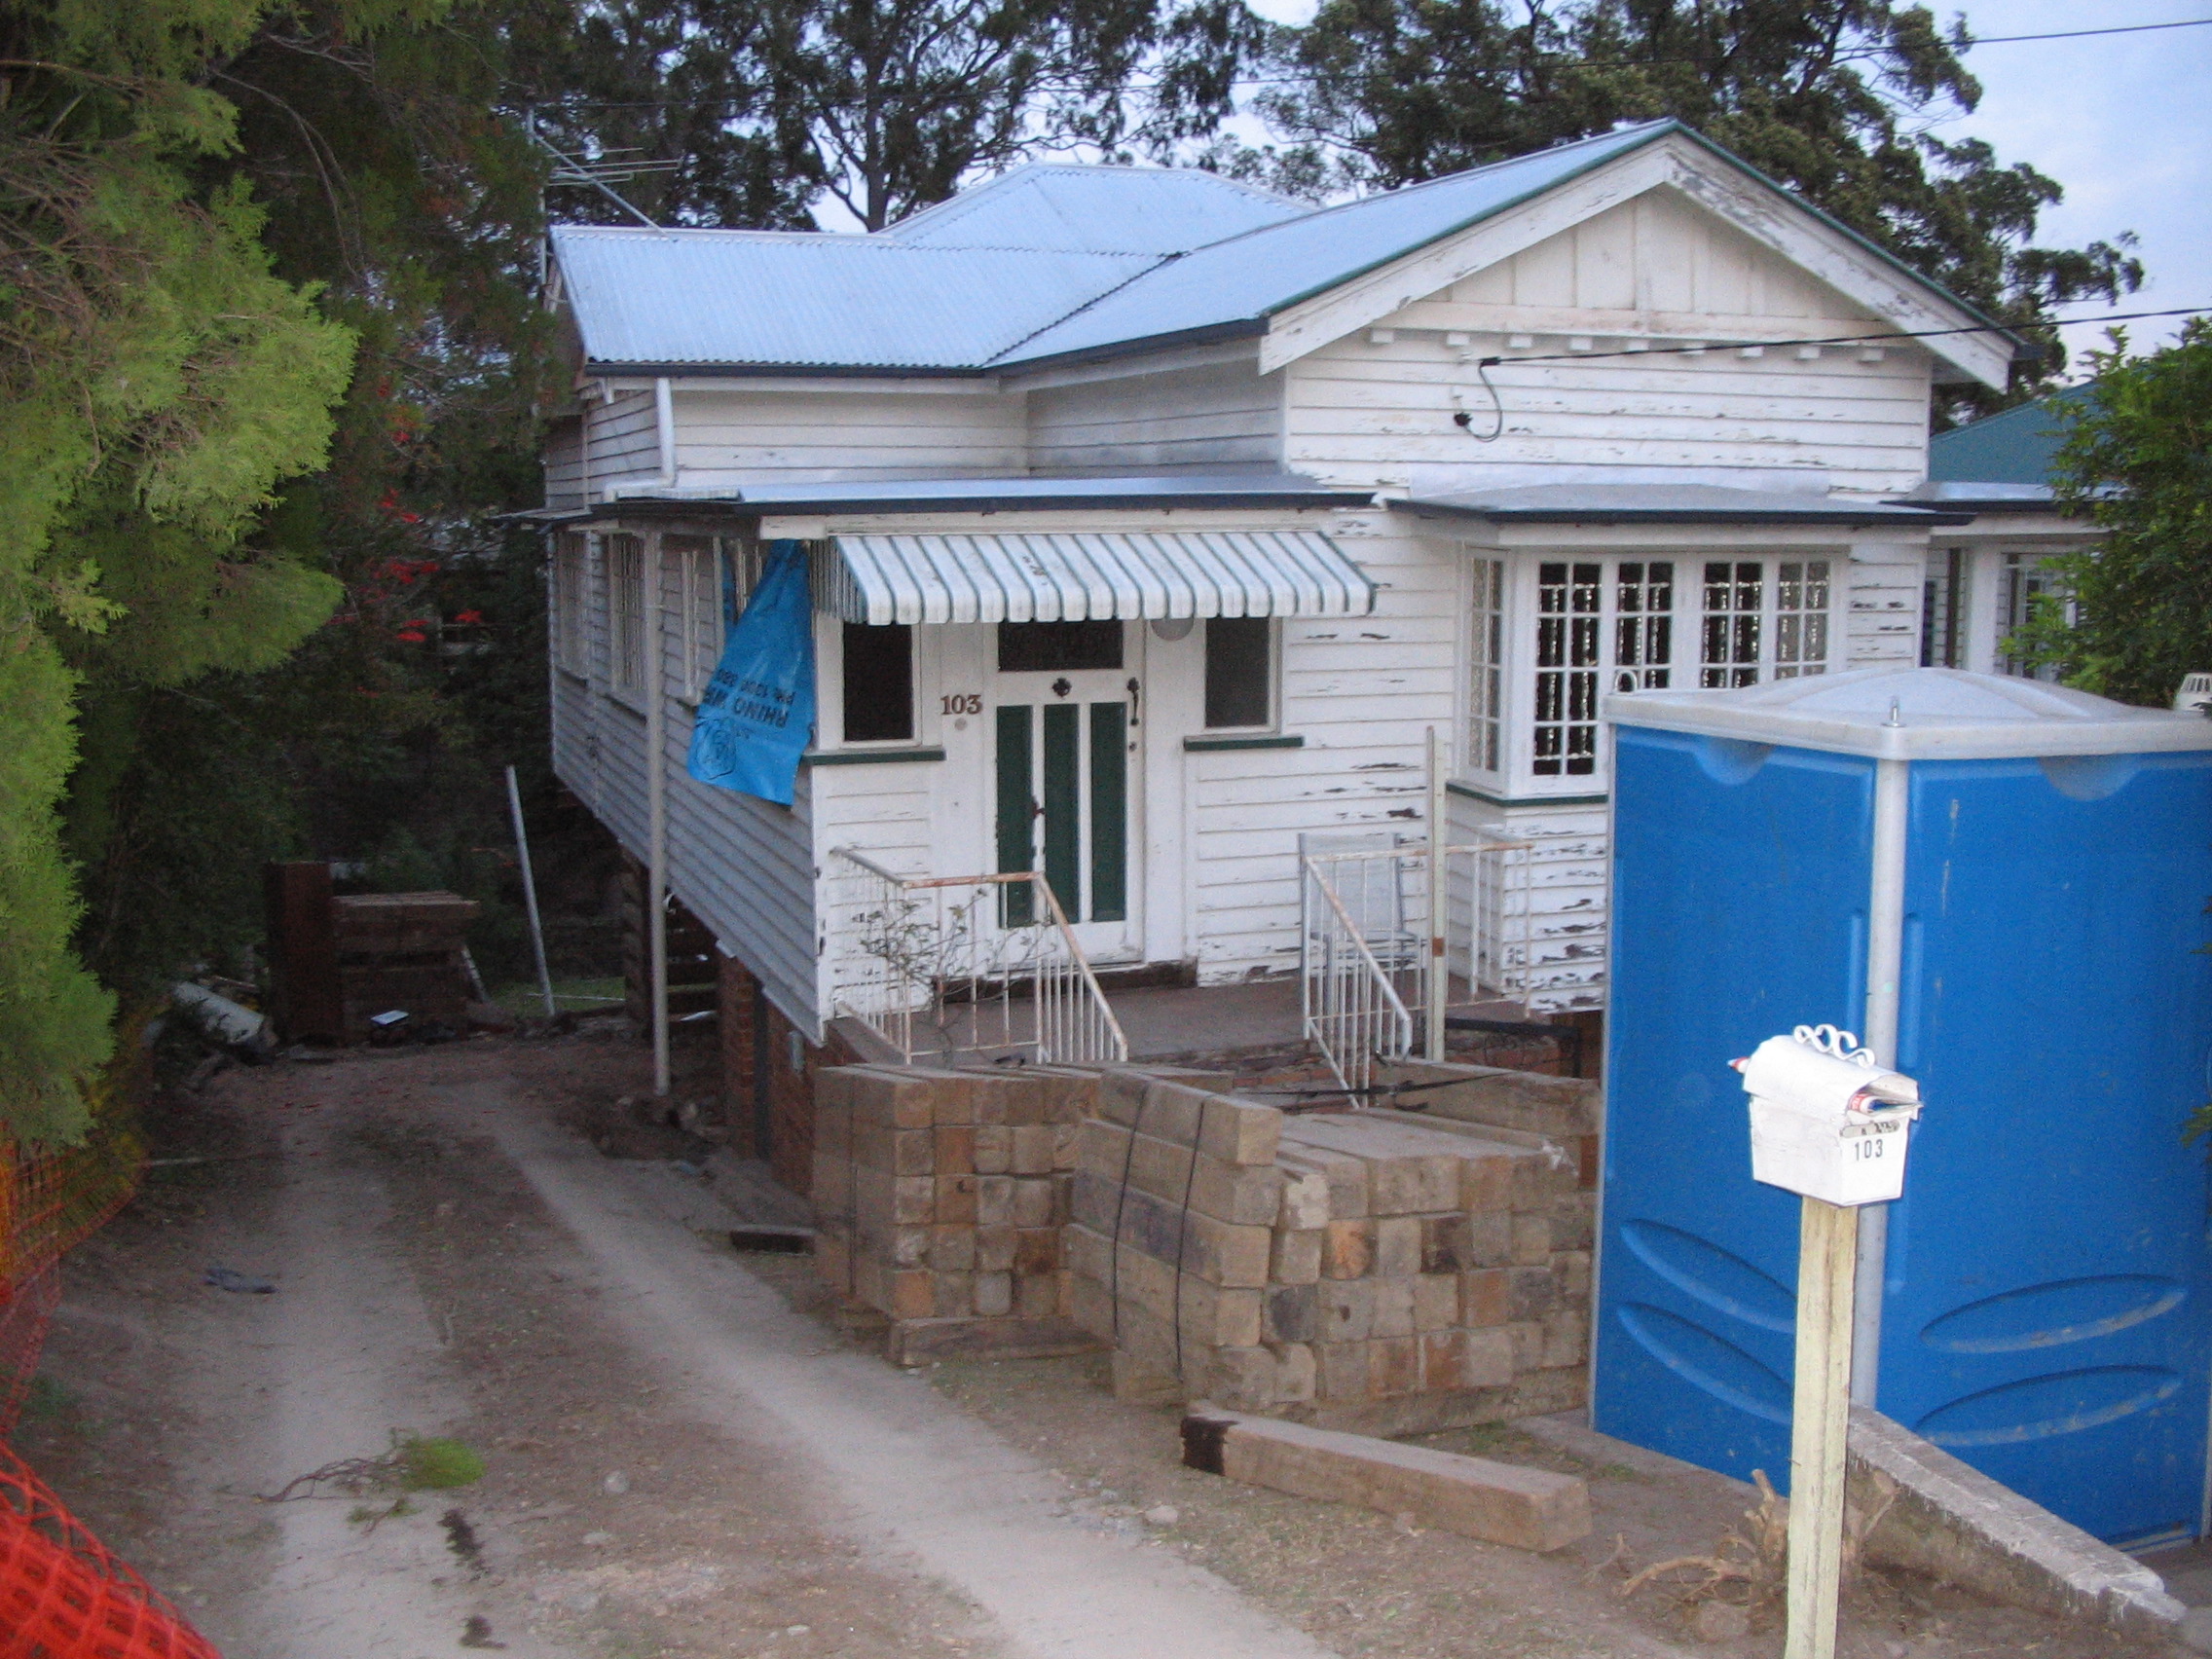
<point>2002,885</point>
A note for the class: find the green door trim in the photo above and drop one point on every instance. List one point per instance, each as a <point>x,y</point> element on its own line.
<point>1016,809</point>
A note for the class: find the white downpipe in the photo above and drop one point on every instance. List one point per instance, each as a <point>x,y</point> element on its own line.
<point>657,813</point>
<point>1885,972</point>
<point>664,426</point>
<point>1439,970</point>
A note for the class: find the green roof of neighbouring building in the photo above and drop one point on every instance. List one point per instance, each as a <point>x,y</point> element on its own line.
<point>2016,447</point>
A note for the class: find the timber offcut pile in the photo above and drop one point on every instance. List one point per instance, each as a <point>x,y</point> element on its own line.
<point>1376,1271</point>
<point>938,1202</point>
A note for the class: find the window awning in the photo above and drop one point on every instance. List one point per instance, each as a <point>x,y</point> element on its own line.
<point>1104,575</point>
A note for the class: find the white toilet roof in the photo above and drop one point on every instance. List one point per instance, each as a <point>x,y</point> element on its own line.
<point>1918,713</point>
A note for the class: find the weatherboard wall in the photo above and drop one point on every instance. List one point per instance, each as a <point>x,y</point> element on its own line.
<point>1195,413</point>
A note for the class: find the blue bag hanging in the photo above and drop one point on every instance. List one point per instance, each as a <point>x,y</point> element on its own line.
<point>757,715</point>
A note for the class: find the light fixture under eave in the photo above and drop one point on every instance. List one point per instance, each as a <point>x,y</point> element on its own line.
<point>1172,628</point>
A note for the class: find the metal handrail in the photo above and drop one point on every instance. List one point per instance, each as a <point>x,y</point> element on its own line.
<point>1487,917</point>
<point>1343,1027</point>
<point>967,973</point>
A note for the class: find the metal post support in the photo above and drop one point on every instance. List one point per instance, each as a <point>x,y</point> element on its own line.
<point>656,811</point>
<point>1820,1424</point>
<point>1885,972</point>
<point>1439,968</point>
<point>529,895</point>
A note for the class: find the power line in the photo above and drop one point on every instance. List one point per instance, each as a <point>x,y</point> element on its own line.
<point>1858,56</point>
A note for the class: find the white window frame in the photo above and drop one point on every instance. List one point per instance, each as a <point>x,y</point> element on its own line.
<point>569,603</point>
<point>1601,632</point>
<point>700,561</point>
<point>1273,724</point>
<point>628,630</point>
<point>1788,640</point>
<point>1489,610</point>
<point>2026,577</point>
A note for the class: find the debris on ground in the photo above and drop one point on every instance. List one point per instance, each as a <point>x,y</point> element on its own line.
<point>237,1283</point>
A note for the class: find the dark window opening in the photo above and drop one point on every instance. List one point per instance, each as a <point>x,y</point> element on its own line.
<point>1236,671</point>
<point>880,682</point>
<point>1059,647</point>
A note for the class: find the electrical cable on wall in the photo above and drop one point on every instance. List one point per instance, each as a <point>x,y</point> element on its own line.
<point>1465,421</point>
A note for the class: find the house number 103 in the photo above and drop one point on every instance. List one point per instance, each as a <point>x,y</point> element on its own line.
<point>962,703</point>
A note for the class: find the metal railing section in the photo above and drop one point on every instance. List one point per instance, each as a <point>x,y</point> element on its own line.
<point>1365,954</point>
<point>943,966</point>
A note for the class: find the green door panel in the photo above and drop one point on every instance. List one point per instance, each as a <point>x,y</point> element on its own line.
<point>1016,800</point>
<point>1109,812</point>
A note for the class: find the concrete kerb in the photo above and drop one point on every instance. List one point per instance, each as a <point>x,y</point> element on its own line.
<point>1955,1524</point>
<point>1952,1522</point>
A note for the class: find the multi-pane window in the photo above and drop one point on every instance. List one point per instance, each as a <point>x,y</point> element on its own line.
<point>1942,610</point>
<point>1569,633</point>
<point>626,612</point>
<point>1734,607</point>
<point>2029,582</point>
<point>569,589</point>
<point>1800,617</point>
<point>1485,689</point>
<point>1755,626</point>
<point>1601,625</point>
<point>1644,624</point>
<point>698,562</point>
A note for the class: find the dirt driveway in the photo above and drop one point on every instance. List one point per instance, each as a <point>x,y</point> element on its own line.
<point>688,1455</point>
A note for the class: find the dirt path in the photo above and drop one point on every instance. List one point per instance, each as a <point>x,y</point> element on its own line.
<point>679,1462</point>
<point>688,1455</point>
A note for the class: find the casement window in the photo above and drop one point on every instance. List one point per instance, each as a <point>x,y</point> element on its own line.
<point>1602,624</point>
<point>699,562</point>
<point>1486,680</point>
<point>1943,609</point>
<point>626,612</point>
<point>1763,619</point>
<point>571,585</point>
<point>879,682</point>
<point>2029,581</point>
<point>1239,653</point>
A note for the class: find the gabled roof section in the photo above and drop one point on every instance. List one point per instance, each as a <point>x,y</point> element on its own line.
<point>1097,209</point>
<point>701,300</point>
<point>1232,286</point>
<point>1083,262</point>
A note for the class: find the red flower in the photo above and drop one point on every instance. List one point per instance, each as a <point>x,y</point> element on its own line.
<point>469,618</point>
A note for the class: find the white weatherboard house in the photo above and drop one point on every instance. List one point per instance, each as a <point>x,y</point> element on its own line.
<point>1154,521</point>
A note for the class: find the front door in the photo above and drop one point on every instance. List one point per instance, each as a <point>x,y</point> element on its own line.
<point>1066,752</point>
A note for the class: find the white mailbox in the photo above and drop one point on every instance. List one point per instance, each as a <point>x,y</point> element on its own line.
<point>1827,1121</point>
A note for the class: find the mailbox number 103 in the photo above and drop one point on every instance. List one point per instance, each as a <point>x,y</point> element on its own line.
<point>1866,1146</point>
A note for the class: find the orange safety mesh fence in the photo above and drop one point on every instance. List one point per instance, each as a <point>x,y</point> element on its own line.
<point>51,1199</point>
<point>63,1597</point>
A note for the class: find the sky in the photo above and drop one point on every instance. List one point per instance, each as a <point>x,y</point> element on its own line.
<point>2121,121</point>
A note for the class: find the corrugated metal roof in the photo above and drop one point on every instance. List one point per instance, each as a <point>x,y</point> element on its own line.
<point>1664,503</point>
<point>2017,447</point>
<point>761,297</point>
<point>1248,277</point>
<point>1154,210</point>
<point>1133,575</point>
<point>902,300</point>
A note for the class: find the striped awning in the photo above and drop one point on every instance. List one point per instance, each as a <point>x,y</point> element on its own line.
<point>1103,575</point>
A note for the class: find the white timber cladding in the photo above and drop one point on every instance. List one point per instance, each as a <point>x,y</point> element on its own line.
<point>1356,387</point>
<point>1218,413</point>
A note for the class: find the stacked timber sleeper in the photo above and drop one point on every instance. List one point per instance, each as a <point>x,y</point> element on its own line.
<point>1373,1270</point>
<point>942,1195</point>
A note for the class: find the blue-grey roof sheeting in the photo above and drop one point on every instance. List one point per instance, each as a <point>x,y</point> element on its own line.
<point>1246,278</point>
<point>707,298</point>
<point>1154,210</point>
<point>1662,503</point>
<point>1044,576</point>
